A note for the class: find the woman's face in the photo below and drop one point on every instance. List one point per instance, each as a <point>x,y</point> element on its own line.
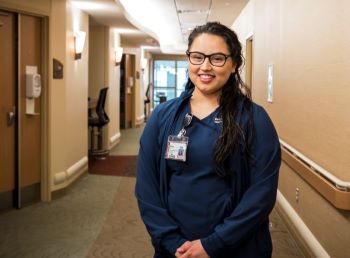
<point>207,78</point>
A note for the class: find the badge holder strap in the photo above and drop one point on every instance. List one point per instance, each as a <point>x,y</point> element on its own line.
<point>187,121</point>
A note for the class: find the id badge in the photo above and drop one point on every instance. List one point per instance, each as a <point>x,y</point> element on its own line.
<point>176,148</point>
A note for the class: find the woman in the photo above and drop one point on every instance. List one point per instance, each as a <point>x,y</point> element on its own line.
<point>214,199</point>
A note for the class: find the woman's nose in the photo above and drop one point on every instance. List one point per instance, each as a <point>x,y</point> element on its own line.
<point>206,64</point>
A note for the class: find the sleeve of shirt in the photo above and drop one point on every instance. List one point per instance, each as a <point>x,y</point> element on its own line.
<point>259,199</point>
<point>162,228</point>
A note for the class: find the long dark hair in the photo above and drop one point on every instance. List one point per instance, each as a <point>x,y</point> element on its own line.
<point>234,89</point>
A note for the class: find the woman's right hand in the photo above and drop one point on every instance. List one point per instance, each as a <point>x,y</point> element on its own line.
<point>183,248</point>
<point>192,249</point>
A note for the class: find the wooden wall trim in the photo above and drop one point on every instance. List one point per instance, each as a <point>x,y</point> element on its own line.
<point>337,195</point>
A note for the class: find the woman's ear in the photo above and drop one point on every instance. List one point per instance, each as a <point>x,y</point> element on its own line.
<point>233,69</point>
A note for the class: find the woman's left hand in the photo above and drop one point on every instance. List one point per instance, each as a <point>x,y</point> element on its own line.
<point>192,249</point>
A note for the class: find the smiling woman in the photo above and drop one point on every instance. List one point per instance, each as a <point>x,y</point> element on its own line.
<point>209,160</point>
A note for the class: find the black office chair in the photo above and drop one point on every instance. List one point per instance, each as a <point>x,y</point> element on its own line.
<point>99,122</point>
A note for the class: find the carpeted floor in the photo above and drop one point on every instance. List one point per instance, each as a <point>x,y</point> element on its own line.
<point>123,235</point>
<point>63,228</point>
<point>114,166</point>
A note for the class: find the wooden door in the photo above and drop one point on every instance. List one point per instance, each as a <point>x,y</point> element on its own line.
<point>20,145</point>
<point>7,108</point>
<point>129,90</point>
<point>30,55</point>
<point>122,92</point>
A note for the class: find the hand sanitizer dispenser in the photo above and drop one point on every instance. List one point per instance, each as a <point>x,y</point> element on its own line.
<point>33,89</point>
<point>33,84</point>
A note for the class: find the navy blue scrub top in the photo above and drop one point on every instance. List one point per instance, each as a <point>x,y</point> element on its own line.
<point>198,199</point>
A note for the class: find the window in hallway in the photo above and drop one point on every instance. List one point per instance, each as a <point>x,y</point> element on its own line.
<point>170,77</point>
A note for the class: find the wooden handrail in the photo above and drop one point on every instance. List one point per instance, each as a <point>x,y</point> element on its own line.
<point>328,186</point>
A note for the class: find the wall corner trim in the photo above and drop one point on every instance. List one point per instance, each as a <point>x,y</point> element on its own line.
<point>309,239</point>
<point>115,138</point>
<point>140,119</point>
<point>60,177</point>
<point>64,178</point>
<point>75,168</point>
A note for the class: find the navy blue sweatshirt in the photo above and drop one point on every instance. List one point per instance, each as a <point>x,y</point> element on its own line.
<point>182,201</point>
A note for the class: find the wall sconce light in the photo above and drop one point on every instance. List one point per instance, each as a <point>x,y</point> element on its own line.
<point>79,41</point>
<point>118,55</point>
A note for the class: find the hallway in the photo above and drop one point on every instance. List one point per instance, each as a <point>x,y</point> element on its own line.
<point>97,217</point>
<point>58,55</point>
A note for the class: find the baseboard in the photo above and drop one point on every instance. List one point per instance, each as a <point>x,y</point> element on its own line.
<point>299,230</point>
<point>28,195</point>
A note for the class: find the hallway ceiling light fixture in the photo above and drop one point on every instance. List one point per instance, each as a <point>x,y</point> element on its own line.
<point>118,55</point>
<point>79,42</point>
<point>160,26</point>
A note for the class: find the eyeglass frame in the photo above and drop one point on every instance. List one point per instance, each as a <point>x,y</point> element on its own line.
<point>188,53</point>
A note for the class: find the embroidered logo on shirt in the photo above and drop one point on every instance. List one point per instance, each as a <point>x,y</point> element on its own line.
<point>217,120</point>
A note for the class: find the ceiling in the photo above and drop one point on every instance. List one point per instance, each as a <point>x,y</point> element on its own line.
<point>162,24</point>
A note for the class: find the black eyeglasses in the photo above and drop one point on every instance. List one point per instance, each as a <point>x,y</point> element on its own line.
<point>216,59</point>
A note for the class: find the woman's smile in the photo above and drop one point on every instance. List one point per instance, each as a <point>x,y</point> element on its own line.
<point>206,78</point>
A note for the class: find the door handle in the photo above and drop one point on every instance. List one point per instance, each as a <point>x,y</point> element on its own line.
<point>11,116</point>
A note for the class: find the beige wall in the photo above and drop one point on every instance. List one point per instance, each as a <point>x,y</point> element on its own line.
<point>312,76</point>
<point>113,103</point>
<point>76,87</point>
<point>145,73</point>
<point>97,76</point>
<point>68,116</point>
<point>103,72</point>
<point>309,48</point>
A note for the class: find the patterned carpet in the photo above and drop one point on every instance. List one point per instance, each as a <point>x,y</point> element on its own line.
<point>123,234</point>
<point>63,228</point>
<point>114,166</point>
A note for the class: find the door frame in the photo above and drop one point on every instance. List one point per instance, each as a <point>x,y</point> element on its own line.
<point>249,61</point>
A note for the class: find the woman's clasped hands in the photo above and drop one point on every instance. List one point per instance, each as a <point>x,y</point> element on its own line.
<point>191,249</point>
